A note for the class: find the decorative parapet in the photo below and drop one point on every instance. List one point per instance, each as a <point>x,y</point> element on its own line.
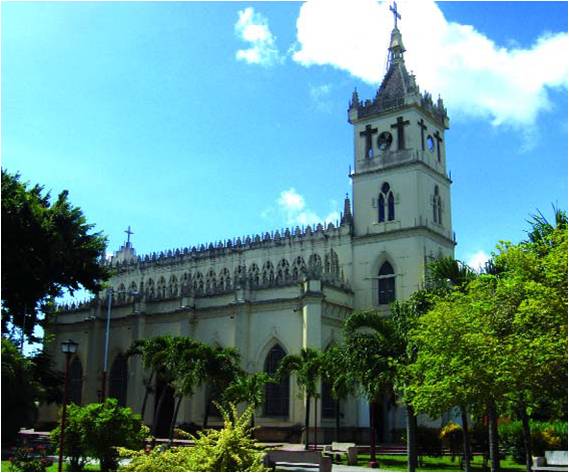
<point>238,244</point>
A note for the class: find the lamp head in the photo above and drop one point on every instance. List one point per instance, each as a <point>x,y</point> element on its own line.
<point>69,347</point>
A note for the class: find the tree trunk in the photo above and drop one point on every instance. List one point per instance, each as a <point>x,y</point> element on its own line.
<point>306,423</point>
<point>465,439</point>
<point>411,439</point>
<point>372,457</point>
<point>527,436</point>
<point>315,423</point>
<point>158,409</point>
<point>174,417</point>
<point>493,436</point>
<point>337,420</point>
<point>206,414</point>
<point>146,394</point>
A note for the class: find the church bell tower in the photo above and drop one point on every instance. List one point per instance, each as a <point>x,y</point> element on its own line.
<point>401,191</point>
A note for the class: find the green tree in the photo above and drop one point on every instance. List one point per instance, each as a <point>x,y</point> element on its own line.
<point>95,430</point>
<point>154,352</point>
<point>221,369</point>
<point>248,388</point>
<point>307,365</point>
<point>46,247</point>
<point>20,391</point>
<point>336,373</point>
<point>369,348</point>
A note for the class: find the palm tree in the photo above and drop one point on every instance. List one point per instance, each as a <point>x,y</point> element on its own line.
<point>307,365</point>
<point>336,373</point>
<point>369,344</point>
<point>248,388</point>
<point>153,352</point>
<point>221,368</point>
<point>186,360</point>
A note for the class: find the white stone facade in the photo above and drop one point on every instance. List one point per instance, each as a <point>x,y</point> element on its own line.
<point>294,288</point>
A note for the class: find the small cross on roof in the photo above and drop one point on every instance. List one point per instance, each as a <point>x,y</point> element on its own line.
<point>396,14</point>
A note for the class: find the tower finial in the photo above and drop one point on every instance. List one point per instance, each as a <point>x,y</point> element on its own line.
<point>396,14</point>
<point>129,233</point>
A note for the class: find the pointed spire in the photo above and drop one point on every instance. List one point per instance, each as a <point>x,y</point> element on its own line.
<point>347,214</point>
<point>396,48</point>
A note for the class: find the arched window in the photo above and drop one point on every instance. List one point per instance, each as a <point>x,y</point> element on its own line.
<point>210,282</point>
<point>283,272</point>
<point>118,379</point>
<point>276,395</point>
<point>161,288</point>
<point>132,291</point>
<point>198,284</point>
<point>298,268</point>
<point>268,274</point>
<point>121,293</point>
<point>386,284</point>
<point>173,287</point>
<point>75,381</point>
<point>254,277</point>
<point>328,403</point>
<point>315,265</point>
<point>225,280</point>
<point>437,212</point>
<point>385,197</point>
<point>150,294</point>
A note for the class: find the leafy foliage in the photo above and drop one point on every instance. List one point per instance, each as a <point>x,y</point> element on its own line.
<point>545,436</point>
<point>95,430</point>
<point>27,458</point>
<point>229,449</point>
<point>20,390</point>
<point>45,247</point>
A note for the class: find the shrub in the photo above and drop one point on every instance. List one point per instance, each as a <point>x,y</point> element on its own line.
<point>544,436</point>
<point>19,391</point>
<point>96,429</point>
<point>26,458</point>
<point>451,437</point>
<point>230,449</point>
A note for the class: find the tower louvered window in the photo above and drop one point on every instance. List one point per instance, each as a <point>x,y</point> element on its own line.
<point>437,212</point>
<point>385,204</point>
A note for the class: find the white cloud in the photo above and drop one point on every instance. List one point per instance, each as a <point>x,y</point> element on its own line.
<point>253,28</point>
<point>476,77</point>
<point>292,208</point>
<point>478,260</point>
<point>320,96</point>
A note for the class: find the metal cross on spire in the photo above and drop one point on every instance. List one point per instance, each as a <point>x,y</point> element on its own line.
<point>129,233</point>
<point>396,14</point>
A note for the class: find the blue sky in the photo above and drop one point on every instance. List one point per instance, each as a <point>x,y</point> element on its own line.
<point>200,121</point>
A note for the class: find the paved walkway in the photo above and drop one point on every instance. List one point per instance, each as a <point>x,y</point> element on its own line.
<point>353,468</point>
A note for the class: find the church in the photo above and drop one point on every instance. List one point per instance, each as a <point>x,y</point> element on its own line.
<point>272,294</point>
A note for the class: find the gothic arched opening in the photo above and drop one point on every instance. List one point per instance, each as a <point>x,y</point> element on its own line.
<point>276,395</point>
<point>119,379</point>
<point>75,381</point>
<point>386,284</point>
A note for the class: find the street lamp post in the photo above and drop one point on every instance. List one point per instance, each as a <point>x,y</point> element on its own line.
<point>106,352</point>
<point>68,348</point>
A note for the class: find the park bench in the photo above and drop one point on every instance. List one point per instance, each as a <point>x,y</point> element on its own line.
<point>297,460</point>
<point>555,460</point>
<point>338,449</point>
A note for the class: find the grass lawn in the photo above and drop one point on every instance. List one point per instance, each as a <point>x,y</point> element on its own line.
<point>399,463</point>
<point>6,467</point>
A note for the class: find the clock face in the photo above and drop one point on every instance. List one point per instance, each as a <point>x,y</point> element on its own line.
<point>430,143</point>
<point>384,140</point>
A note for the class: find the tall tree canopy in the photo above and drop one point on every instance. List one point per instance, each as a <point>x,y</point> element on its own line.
<point>46,247</point>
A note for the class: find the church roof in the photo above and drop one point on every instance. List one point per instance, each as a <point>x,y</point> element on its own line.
<point>397,89</point>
